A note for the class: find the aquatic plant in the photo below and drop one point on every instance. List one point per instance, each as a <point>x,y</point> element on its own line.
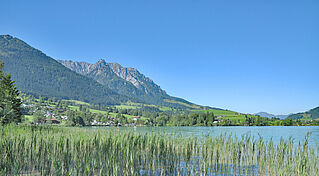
<point>34,150</point>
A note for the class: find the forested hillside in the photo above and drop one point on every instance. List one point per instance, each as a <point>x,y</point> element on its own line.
<point>38,74</point>
<point>311,114</point>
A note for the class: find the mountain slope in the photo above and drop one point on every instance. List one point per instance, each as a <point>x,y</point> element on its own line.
<point>40,75</point>
<point>265,114</point>
<point>311,114</point>
<point>127,81</point>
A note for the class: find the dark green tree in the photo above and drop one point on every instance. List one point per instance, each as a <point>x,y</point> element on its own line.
<point>288,122</point>
<point>9,101</point>
<point>211,119</point>
<point>38,117</point>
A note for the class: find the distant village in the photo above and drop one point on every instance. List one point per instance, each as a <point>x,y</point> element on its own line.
<point>46,114</point>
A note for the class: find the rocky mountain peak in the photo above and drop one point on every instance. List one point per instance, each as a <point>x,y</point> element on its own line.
<point>101,61</point>
<point>132,75</point>
<point>101,67</point>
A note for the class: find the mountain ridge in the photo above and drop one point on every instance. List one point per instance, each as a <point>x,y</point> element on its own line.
<point>129,74</point>
<point>127,81</point>
<point>40,75</point>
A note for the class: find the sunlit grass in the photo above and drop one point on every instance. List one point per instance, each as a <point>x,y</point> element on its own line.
<point>79,102</point>
<point>217,112</point>
<point>29,118</point>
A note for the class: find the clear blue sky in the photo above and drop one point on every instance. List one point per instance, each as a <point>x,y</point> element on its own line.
<point>247,56</point>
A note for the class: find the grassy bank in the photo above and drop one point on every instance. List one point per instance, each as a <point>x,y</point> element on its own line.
<point>78,151</point>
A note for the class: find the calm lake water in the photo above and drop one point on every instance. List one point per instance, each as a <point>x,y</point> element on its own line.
<point>267,132</point>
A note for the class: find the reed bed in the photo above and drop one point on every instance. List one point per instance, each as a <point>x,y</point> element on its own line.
<point>76,151</point>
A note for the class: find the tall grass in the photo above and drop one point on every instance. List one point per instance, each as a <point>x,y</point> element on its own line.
<point>78,151</point>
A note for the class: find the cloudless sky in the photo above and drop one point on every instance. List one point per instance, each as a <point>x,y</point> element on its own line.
<point>247,56</point>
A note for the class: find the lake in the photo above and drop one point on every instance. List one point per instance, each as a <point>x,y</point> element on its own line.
<point>275,133</point>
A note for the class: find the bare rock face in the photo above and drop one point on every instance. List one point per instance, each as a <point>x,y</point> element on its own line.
<point>126,80</point>
<point>80,67</point>
<point>139,80</point>
<point>128,74</point>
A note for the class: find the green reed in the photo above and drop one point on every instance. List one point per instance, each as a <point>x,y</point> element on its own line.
<point>78,151</point>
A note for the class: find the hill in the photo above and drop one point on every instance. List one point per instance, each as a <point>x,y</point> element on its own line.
<point>40,75</point>
<point>265,114</point>
<point>268,115</point>
<point>311,114</point>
